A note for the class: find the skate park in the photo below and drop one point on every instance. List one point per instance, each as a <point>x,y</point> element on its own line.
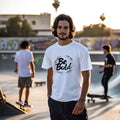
<point>100,110</point>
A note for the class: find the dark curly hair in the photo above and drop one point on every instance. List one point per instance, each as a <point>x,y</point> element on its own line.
<point>69,20</point>
<point>107,47</point>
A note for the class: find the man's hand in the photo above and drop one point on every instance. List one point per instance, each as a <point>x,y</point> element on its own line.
<point>33,75</point>
<point>101,66</point>
<point>100,72</point>
<point>79,107</point>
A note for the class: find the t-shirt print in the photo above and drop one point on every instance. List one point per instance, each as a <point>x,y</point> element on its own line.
<point>63,64</point>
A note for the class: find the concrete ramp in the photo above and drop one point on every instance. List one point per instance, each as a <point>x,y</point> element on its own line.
<point>9,109</point>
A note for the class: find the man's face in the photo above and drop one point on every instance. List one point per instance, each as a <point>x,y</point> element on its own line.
<point>63,30</point>
<point>105,51</point>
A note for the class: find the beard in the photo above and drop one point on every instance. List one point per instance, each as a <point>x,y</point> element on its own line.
<point>63,38</point>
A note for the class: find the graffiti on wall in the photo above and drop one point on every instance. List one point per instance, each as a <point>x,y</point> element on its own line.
<point>9,44</point>
<point>92,43</point>
<point>37,43</point>
<point>96,43</point>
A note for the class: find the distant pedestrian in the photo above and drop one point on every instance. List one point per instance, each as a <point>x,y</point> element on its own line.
<point>108,68</point>
<point>24,61</point>
<point>68,64</point>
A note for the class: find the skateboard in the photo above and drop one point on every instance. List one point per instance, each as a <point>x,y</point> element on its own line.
<point>40,83</point>
<point>22,107</point>
<point>93,96</point>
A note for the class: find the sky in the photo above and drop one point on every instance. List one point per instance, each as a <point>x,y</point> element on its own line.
<point>83,12</point>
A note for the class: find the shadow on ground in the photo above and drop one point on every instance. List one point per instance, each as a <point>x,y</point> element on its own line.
<point>97,109</point>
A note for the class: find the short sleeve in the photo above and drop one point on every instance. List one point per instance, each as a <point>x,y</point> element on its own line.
<point>112,60</point>
<point>15,60</point>
<point>31,58</point>
<point>85,61</point>
<point>46,64</point>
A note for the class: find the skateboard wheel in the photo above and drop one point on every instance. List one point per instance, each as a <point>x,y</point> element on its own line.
<point>107,100</point>
<point>93,101</point>
<point>88,100</point>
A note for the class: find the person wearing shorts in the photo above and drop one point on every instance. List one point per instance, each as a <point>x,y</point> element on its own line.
<point>25,67</point>
<point>69,65</point>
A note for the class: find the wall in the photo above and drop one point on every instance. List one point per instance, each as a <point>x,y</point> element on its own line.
<point>96,43</point>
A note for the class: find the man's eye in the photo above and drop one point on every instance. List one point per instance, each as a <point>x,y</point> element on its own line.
<point>59,27</point>
<point>66,27</point>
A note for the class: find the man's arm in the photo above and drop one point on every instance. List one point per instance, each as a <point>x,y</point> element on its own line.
<point>79,107</point>
<point>86,84</point>
<point>16,64</point>
<point>49,82</point>
<point>106,66</point>
<point>2,97</point>
<point>33,68</point>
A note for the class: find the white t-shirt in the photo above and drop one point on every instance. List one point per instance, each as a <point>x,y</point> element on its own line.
<point>67,63</point>
<point>23,58</point>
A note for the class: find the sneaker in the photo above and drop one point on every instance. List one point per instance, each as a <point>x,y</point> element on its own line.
<point>20,102</point>
<point>104,97</point>
<point>27,105</point>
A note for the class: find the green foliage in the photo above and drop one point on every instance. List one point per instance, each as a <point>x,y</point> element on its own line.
<point>3,32</point>
<point>16,27</point>
<point>94,30</point>
<point>26,29</point>
<point>13,26</point>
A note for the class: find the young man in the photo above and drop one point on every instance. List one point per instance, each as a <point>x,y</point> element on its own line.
<point>68,63</point>
<point>3,99</point>
<point>26,70</point>
<point>108,68</point>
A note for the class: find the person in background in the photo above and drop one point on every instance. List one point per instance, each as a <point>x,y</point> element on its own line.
<point>2,97</point>
<point>25,67</point>
<point>68,64</point>
<point>108,66</point>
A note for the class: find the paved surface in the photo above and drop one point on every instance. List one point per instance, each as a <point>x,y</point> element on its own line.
<point>97,111</point>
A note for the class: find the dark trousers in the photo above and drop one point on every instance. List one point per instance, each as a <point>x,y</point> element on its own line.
<point>63,111</point>
<point>105,79</point>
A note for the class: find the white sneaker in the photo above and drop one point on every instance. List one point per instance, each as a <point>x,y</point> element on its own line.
<point>27,105</point>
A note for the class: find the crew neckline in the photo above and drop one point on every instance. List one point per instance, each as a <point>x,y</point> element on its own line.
<point>65,45</point>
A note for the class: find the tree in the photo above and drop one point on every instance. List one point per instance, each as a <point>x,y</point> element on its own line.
<point>26,29</point>
<point>13,26</point>
<point>3,32</point>
<point>17,27</point>
<point>94,30</point>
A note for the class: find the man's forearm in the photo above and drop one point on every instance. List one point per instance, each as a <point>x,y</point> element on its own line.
<point>49,87</point>
<point>49,82</point>
<point>33,67</point>
<point>86,84</point>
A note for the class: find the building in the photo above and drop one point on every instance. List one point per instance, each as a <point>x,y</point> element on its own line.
<point>39,23</point>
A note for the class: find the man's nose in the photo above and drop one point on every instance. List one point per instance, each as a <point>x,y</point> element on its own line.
<point>62,30</point>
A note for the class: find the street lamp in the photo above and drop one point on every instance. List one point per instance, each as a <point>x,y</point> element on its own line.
<point>56,4</point>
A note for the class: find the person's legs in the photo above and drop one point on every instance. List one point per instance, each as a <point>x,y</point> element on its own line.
<point>105,79</point>
<point>56,110</point>
<point>27,94</point>
<point>68,108</point>
<point>21,93</point>
<point>21,85</point>
<point>28,85</point>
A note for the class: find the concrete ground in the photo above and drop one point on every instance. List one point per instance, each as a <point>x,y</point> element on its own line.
<point>100,110</point>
